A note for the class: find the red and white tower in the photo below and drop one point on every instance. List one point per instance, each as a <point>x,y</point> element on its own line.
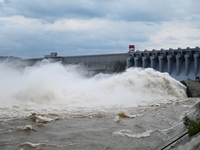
<point>131,48</point>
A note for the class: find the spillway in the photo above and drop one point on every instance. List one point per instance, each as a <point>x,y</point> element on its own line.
<point>179,63</point>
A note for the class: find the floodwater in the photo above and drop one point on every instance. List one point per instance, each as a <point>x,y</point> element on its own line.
<point>51,106</point>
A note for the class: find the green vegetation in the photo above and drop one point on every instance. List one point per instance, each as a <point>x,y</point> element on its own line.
<point>193,126</point>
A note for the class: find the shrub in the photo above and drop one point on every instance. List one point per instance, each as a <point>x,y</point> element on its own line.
<point>192,125</point>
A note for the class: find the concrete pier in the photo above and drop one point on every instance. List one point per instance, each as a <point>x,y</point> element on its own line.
<point>179,63</point>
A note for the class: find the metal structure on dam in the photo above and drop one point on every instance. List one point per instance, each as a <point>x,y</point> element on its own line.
<point>179,63</point>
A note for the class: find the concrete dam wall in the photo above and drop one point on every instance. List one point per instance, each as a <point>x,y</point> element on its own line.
<point>179,63</point>
<point>107,63</point>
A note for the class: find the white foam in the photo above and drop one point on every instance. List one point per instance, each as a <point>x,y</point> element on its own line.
<point>130,134</point>
<point>53,84</point>
<point>39,145</point>
<point>21,128</point>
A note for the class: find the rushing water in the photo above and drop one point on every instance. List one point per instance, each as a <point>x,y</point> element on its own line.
<point>55,106</point>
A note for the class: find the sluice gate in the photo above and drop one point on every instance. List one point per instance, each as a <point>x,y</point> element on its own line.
<point>179,63</point>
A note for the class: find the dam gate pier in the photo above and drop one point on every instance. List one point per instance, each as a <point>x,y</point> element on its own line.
<point>179,63</point>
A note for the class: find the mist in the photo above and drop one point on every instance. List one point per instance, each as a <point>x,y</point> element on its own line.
<point>54,84</point>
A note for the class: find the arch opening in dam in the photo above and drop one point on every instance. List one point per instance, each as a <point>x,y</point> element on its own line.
<point>179,63</point>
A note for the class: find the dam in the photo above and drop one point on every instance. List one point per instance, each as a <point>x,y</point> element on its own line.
<point>101,63</point>
<point>179,63</point>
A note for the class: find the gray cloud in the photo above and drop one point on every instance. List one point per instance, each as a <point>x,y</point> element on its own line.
<point>34,40</point>
<point>130,10</point>
<point>35,28</point>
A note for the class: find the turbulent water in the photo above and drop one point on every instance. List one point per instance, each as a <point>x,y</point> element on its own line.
<point>56,106</point>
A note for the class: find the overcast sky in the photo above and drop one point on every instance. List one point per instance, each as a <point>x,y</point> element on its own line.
<point>34,28</point>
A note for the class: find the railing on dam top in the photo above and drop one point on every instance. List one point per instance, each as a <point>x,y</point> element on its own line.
<point>179,63</point>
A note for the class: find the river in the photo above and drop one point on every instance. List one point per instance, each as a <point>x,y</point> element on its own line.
<point>55,106</point>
